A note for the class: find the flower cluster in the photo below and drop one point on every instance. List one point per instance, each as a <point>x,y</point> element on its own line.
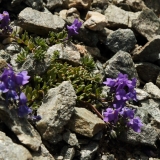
<point>122,90</point>
<point>73,29</point>
<point>4,22</point>
<point>10,85</point>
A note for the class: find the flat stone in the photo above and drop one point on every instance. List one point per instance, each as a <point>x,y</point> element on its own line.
<point>85,122</point>
<point>152,89</point>
<point>39,22</point>
<point>141,94</point>
<point>56,110</point>
<point>147,24</point>
<point>12,151</point>
<point>24,131</point>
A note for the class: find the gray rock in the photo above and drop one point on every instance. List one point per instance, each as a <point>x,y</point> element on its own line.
<point>148,136</point>
<point>88,152</point>
<point>136,5</point>
<point>67,52</point>
<point>67,153</point>
<point>12,48</point>
<point>85,122</point>
<point>24,131</point>
<point>70,138</point>
<point>51,5</point>
<point>56,110</point>
<point>147,24</point>
<point>150,52</point>
<point>147,72</point>
<point>158,80</point>
<point>39,22</point>
<point>141,94</point>
<point>121,39</point>
<point>153,90</point>
<point>42,154</point>
<point>120,62</point>
<point>13,151</point>
<point>118,18</point>
<point>35,4</point>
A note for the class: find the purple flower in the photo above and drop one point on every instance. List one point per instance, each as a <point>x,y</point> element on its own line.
<point>5,20</point>
<point>22,78</point>
<point>119,104</point>
<point>73,29</point>
<point>121,95</point>
<point>12,94</point>
<point>135,124</point>
<point>23,109</point>
<point>110,115</point>
<point>127,113</point>
<point>3,87</point>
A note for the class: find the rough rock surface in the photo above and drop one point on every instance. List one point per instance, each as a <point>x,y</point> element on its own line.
<point>85,122</point>
<point>38,22</point>
<point>11,150</point>
<point>56,110</point>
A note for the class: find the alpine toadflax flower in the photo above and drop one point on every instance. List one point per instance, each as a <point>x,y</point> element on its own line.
<point>73,29</point>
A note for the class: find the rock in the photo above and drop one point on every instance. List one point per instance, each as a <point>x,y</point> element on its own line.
<point>12,48</point>
<point>147,24</point>
<point>42,154</point>
<point>136,5</point>
<point>24,131</point>
<point>149,52</point>
<point>73,12</point>
<point>51,5</point>
<point>147,72</point>
<point>63,13</point>
<point>35,4</point>
<point>70,138</point>
<point>152,89</point>
<point>89,151</point>
<point>118,18</point>
<point>100,3</point>
<point>66,52</point>
<point>120,62</point>
<point>121,39</point>
<point>5,55</point>
<point>67,153</point>
<point>79,4</point>
<point>95,21</point>
<point>13,151</point>
<point>39,22</point>
<point>158,80</point>
<point>85,122</point>
<point>141,94</point>
<point>56,110</point>
<point>148,136</point>
<point>3,64</point>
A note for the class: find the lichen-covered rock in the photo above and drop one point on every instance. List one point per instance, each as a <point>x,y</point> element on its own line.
<point>12,151</point>
<point>39,22</point>
<point>85,122</point>
<point>56,110</point>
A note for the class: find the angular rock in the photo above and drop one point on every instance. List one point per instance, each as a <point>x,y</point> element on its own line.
<point>95,21</point>
<point>79,4</point>
<point>118,18</point>
<point>148,136</point>
<point>73,12</point>
<point>70,138</point>
<point>12,151</point>
<point>42,154</point>
<point>24,131</point>
<point>5,56</point>
<point>89,151</point>
<point>13,48</point>
<point>152,89</point>
<point>149,52</point>
<point>35,4</point>
<point>147,24</point>
<point>100,3</point>
<point>85,122</point>
<point>147,72</point>
<point>136,5</point>
<point>66,52</point>
<point>120,62</point>
<point>39,22</point>
<point>56,110</point>
<point>67,153</point>
<point>141,94</point>
<point>51,5</point>
<point>121,39</point>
